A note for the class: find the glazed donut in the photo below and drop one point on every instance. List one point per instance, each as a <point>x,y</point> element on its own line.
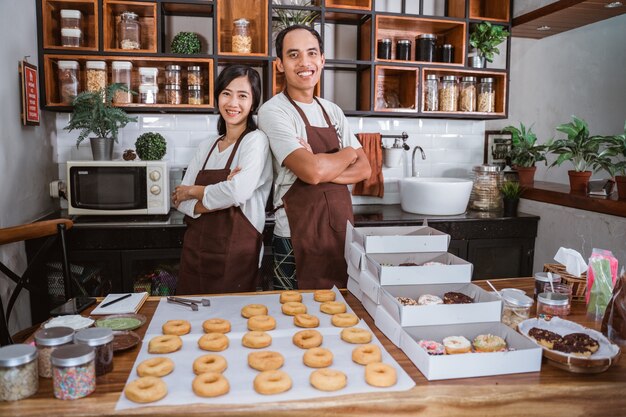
<point>210,384</point>
<point>333,307</point>
<point>356,335</point>
<point>324,295</point>
<point>457,344</point>
<point>256,339</point>
<point>165,344</point>
<point>261,323</point>
<point>366,354</point>
<point>265,360</point>
<point>344,320</point>
<point>287,296</point>
<point>176,327</point>
<point>328,379</point>
<point>380,375</point>
<point>306,320</point>
<point>272,382</point>
<point>317,357</point>
<point>292,308</point>
<point>213,342</point>
<point>158,367</point>
<point>216,326</point>
<point>307,339</point>
<point>146,389</point>
<point>253,310</point>
<point>209,363</point>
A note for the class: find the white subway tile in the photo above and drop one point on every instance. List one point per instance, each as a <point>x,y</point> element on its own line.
<point>183,155</point>
<point>192,122</point>
<point>433,126</point>
<point>459,126</point>
<point>196,138</point>
<point>176,138</point>
<point>452,170</point>
<point>157,122</point>
<point>62,120</point>
<point>82,153</point>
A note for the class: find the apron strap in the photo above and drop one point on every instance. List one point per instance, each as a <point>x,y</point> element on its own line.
<point>301,112</point>
<point>211,151</point>
<point>232,154</point>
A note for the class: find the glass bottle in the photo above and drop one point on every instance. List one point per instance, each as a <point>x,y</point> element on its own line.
<point>173,94</point>
<point>121,73</point>
<point>467,94</point>
<point>447,53</point>
<point>172,74</point>
<point>47,341</point>
<point>384,48</point>
<point>516,306</point>
<point>101,339</point>
<point>486,96</point>
<point>485,195</point>
<point>425,47</point>
<point>96,75</point>
<point>553,304</point>
<point>431,93</point>
<point>403,50</point>
<point>73,371</point>
<point>195,95</point>
<point>194,76</point>
<point>69,80</point>
<point>448,93</point>
<point>242,41</point>
<point>129,31</point>
<point>18,372</point>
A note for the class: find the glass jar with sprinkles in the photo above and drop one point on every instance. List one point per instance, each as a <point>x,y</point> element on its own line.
<point>73,372</point>
<point>101,339</point>
<point>18,372</point>
<point>47,341</point>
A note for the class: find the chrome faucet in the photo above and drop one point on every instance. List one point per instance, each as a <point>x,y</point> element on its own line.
<point>413,159</point>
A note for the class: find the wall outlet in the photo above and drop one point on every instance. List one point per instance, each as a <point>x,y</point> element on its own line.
<point>57,189</point>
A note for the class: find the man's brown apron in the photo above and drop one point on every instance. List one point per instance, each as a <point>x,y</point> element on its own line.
<point>221,248</point>
<point>317,217</point>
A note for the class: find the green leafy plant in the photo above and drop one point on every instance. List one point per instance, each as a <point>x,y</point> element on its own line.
<point>290,17</point>
<point>94,113</point>
<point>617,146</point>
<point>151,146</point>
<point>486,37</point>
<point>511,190</point>
<point>186,43</point>
<point>525,151</point>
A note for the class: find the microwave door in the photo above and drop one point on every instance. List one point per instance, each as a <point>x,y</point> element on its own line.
<point>108,188</point>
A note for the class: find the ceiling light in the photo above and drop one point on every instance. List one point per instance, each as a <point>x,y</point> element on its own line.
<point>543,28</point>
<point>613,4</point>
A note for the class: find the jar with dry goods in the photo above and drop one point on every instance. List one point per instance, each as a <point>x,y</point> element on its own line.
<point>516,306</point>
<point>448,93</point>
<point>242,40</point>
<point>71,38</point>
<point>172,74</point>
<point>96,75</point>
<point>73,371</point>
<point>467,94</point>
<point>148,75</point>
<point>148,93</point>
<point>71,19</point>
<point>195,95</point>
<point>553,304</point>
<point>194,76</point>
<point>18,372</point>
<point>49,340</point>
<point>486,96</point>
<point>485,195</point>
<point>431,93</point>
<point>129,31</point>
<point>173,94</point>
<point>121,73</point>
<point>69,80</point>
<point>101,339</point>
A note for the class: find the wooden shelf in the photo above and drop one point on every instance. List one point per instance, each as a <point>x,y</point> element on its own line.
<point>256,11</point>
<point>202,9</point>
<point>147,12</point>
<point>398,84</point>
<point>492,10</point>
<point>350,4</point>
<point>51,15</point>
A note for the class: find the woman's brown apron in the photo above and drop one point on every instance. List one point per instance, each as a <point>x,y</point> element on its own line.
<point>317,216</point>
<point>221,248</point>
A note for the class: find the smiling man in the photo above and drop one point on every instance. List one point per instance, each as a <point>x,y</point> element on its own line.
<point>315,156</point>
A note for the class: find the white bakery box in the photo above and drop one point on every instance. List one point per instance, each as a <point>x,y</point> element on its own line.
<point>398,239</point>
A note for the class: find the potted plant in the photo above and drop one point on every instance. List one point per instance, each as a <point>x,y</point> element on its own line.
<point>94,113</point>
<point>151,146</point>
<point>290,17</point>
<point>511,192</point>
<point>485,38</point>
<point>617,144</point>
<point>186,43</point>
<point>524,153</point>
<point>585,152</point>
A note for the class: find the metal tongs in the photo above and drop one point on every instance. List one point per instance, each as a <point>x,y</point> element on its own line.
<point>193,304</point>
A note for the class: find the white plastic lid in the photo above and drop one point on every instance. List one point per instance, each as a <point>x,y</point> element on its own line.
<point>101,65</point>
<point>71,14</point>
<point>68,64</point>
<point>148,71</point>
<point>148,88</point>
<point>72,33</point>
<point>117,65</point>
<point>516,298</point>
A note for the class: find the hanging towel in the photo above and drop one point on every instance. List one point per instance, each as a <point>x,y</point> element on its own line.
<point>374,185</point>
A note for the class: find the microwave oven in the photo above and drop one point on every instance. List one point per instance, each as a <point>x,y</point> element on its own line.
<point>118,187</point>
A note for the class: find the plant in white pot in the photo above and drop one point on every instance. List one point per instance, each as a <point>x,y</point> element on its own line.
<point>485,39</point>
<point>525,153</point>
<point>95,113</point>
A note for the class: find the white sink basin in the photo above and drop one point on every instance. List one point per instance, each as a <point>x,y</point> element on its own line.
<point>435,196</point>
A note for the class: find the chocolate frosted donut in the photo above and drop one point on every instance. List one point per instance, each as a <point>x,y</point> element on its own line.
<point>579,344</point>
<point>544,337</point>
<point>408,264</point>
<point>457,298</point>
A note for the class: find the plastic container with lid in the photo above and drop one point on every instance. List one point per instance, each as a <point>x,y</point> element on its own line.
<point>96,75</point>
<point>485,194</point>
<point>194,76</point>
<point>431,93</point>
<point>467,94</point>
<point>486,96</point>
<point>71,38</point>
<point>403,50</point>
<point>448,93</point>
<point>560,288</point>
<point>384,48</point>
<point>148,75</point>
<point>541,278</point>
<point>425,47</point>
<point>69,80</point>
<point>516,306</point>
<point>47,341</point>
<point>173,94</point>
<point>242,40</point>
<point>129,31</point>
<point>71,19</point>
<point>18,372</point>
<point>553,304</point>
<point>121,73</point>
<point>148,93</point>
<point>172,74</point>
<point>73,371</point>
<point>101,339</point>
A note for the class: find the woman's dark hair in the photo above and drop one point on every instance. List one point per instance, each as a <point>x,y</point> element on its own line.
<point>227,75</point>
<point>281,37</point>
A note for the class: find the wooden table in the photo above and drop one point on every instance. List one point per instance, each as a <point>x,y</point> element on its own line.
<point>551,392</point>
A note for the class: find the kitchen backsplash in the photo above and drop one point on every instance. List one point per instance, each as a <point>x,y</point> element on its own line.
<point>452,147</point>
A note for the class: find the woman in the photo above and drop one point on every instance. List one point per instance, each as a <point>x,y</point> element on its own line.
<point>223,194</point>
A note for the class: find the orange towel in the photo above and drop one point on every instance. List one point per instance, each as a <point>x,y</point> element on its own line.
<point>374,185</point>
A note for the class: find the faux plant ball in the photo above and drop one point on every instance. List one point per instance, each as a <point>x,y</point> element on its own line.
<point>151,146</point>
<point>186,43</point>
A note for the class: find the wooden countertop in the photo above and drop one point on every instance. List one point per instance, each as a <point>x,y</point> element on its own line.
<point>552,391</point>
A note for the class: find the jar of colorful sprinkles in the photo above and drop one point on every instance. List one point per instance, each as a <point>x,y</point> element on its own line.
<point>73,371</point>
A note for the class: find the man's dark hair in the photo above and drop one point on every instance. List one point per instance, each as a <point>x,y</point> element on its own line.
<point>229,74</point>
<point>281,37</point>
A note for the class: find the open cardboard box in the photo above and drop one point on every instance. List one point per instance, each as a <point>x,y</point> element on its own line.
<point>353,287</point>
<point>398,239</point>
<point>485,308</point>
<point>355,256</point>
<point>385,268</point>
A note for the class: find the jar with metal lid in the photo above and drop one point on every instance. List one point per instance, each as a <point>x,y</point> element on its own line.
<point>553,304</point>
<point>403,50</point>
<point>516,306</point>
<point>431,93</point>
<point>448,93</point>
<point>121,72</point>
<point>446,53</point>
<point>73,371</point>
<point>541,279</point>
<point>18,372</point>
<point>101,339</point>
<point>49,340</point>
<point>486,96</point>
<point>148,93</point>
<point>467,94</point>
<point>71,19</point>
<point>242,40</point>
<point>425,47</point>
<point>384,48</point>
<point>129,31</point>
<point>173,94</point>
<point>71,38</point>
<point>195,95</point>
<point>485,195</point>
<point>69,80</point>
<point>148,75</point>
<point>172,74</point>
<point>96,75</point>
<point>194,76</point>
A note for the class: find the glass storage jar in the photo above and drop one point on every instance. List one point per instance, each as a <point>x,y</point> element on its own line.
<point>148,75</point>
<point>73,371</point>
<point>446,53</point>
<point>96,75</point>
<point>467,94</point>
<point>403,50</point>
<point>148,93</point>
<point>425,47</point>
<point>18,372</point>
<point>101,339</point>
<point>486,96</point>
<point>71,19</point>
<point>431,93</point>
<point>194,76</point>
<point>448,93</point>
<point>129,31</point>
<point>552,304</point>
<point>172,74</point>
<point>541,279</point>
<point>69,80</point>
<point>516,306</point>
<point>173,94</point>
<point>242,40</point>
<point>195,95</point>
<point>485,195</point>
<point>384,48</point>
<point>47,341</point>
<point>121,73</point>
<point>71,38</point>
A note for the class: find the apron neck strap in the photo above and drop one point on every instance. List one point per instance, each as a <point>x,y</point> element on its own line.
<point>301,112</point>
<point>232,154</point>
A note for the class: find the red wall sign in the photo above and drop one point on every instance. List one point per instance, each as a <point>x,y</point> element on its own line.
<point>30,94</point>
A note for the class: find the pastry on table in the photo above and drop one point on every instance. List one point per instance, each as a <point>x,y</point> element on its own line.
<point>544,337</point>
<point>457,298</point>
<point>577,344</point>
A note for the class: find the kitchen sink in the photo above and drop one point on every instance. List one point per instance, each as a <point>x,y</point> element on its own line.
<point>435,196</point>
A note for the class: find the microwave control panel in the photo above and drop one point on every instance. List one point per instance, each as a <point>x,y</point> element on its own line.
<point>158,188</point>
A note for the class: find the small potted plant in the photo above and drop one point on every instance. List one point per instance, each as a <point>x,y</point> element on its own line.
<point>485,38</point>
<point>186,43</point>
<point>95,113</point>
<point>511,192</point>
<point>524,153</point>
<point>617,144</point>
<point>151,146</point>
<point>290,17</point>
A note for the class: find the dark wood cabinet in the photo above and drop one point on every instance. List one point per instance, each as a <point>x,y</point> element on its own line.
<point>501,258</point>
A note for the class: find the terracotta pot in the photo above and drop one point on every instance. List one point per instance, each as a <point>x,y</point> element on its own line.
<point>526,175</point>
<point>578,181</point>
<point>621,186</point>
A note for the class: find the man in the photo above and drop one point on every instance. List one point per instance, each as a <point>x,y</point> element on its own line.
<point>315,155</point>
